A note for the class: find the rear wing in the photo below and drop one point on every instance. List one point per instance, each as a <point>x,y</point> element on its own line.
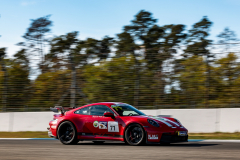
<point>58,109</point>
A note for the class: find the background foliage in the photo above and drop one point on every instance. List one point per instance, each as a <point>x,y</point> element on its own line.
<point>146,65</point>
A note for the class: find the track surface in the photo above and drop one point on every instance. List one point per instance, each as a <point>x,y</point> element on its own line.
<point>53,149</point>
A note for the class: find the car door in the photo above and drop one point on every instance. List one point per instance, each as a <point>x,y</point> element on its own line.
<point>100,125</point>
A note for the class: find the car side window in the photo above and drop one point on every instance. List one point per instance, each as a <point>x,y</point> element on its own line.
<point>99,110</point>
<point>84,111</point>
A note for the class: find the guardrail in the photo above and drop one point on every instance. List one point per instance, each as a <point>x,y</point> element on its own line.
<point>195,120</point>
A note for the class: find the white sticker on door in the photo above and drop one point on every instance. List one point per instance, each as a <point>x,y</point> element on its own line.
<point>113,126</point>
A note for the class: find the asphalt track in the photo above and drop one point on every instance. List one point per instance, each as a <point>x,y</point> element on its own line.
<point>53,149</point>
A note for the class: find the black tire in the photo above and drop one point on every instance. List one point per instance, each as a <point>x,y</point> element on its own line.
<point>134,135</point>
<point>98,142</point>
<point>67,133</point>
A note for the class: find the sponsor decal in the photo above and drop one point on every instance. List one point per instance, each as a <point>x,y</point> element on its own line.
<point>95,124</point>
<point>98,116</point>
<point>102,125</point>
<point>182,133</point>
<point>113,126</point>
<point>153,136</point>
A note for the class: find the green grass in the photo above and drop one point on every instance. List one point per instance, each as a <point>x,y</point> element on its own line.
<point>24,135</point>
<point>218,135</point>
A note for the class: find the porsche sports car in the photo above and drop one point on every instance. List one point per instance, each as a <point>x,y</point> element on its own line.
<point>114,121</point>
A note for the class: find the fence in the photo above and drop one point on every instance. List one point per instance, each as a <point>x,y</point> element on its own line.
<point>144,79</point>
<point>41,109</point>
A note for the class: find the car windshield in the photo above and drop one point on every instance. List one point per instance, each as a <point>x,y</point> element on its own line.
<point>126,110</point>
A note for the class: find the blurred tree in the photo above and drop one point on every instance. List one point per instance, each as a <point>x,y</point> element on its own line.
<point>228,74</point>
<point>138,30</point>
<point>198,45</point>
<point>66,45</point>
<point>197,39</point>
<point>103,83</point>
<point>36,37</point>
<point>19,90</point>
<point>143,51</point>
<point>105,49</point>
<point>48,87</point>
<point>97,49</point>
<point>125,45</point>
<point>226,37</point>
<point>141,24</point>
<point>171,37</point>
<point>15,80</point>
<point>22,59</point>
<point>157,45</point>
<point>190,77</point>
<point>152,45</point>
<point>115,81</point>
<point>61,47</point>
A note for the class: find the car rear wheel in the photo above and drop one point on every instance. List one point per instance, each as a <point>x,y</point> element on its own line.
<point>134,135</point>
<point>67,133</point>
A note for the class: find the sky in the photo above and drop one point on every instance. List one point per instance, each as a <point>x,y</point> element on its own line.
<point>97,18</point>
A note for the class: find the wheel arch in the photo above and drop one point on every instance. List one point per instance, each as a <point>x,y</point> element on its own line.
<point>65,120</point>
<point>131,123</point>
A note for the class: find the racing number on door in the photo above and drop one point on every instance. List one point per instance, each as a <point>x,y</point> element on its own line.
<point>113,126</point>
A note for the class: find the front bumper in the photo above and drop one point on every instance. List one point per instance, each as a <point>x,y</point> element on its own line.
<point>166,135</point>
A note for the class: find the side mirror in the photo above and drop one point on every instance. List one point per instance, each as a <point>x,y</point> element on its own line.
<point>108,114</point>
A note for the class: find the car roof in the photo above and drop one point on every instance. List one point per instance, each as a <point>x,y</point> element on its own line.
<point>102,103</point>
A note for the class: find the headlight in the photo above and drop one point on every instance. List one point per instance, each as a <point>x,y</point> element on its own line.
<point>152,122</point>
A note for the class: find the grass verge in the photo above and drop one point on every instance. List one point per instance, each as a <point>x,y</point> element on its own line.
<point>24,135</point>
<point>218,135</point>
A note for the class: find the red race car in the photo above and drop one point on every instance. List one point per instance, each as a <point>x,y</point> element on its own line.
<point>114,121</point>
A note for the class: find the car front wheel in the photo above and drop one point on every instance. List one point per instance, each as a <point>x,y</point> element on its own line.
<point>67,133</point>
<point>134,135</point>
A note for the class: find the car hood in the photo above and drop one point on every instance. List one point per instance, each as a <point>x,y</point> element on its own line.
<point>163,120</point>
